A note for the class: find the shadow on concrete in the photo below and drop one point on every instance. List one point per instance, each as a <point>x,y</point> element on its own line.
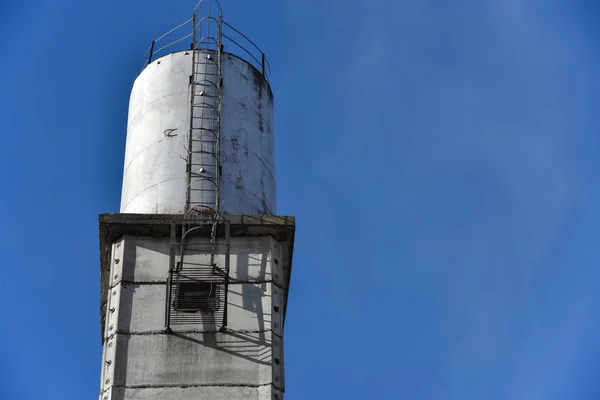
<point>255,346</point>
<point>248,346</point>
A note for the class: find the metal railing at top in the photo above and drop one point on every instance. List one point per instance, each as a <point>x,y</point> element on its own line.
<point>234,42</point>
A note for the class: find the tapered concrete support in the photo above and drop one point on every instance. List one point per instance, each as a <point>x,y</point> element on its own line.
<point>141,360</point>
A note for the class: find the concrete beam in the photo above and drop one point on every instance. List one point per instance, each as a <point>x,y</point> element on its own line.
<point>264,392</point>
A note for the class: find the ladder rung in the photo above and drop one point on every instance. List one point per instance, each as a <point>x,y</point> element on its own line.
<point>202,164</point>
<point>208,84</point>
<point>206,73</point>
<point>199,264</point>
<point>200,177</point>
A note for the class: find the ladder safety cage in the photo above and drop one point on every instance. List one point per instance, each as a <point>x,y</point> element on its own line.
<point>198,280</point>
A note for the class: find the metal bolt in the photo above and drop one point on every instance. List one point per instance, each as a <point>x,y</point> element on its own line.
<point>117,260</point>
<point>118,245</point>
<point>112,309</point>
<point>108,362</point>
<point>110,328</point>
<point>117,276</point>
<point>110,344</point>
<point>275,325</point>
<point>276,342</point>
<point>276,276</point>
<point>107,381</point>
<point>276,379</point>
<point>276,308</point>
<point>114,292</point>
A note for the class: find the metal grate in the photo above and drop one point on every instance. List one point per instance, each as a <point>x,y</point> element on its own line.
<point>195,303</point>
<point>197,286</point>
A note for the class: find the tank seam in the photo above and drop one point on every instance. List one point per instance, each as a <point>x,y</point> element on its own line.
<point>150,187</point>
<point>140,152</point>
<point>149,104</point>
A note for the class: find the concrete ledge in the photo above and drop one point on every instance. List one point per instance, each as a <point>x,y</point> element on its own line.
<point>265,392</point>
<point>112,227</point>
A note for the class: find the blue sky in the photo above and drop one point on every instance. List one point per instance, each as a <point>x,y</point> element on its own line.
<point>440,158</point>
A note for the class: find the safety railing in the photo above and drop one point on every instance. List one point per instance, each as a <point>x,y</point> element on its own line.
<point>234,42</point>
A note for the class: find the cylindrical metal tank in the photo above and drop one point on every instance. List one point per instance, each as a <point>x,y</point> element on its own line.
<point>155,177</point>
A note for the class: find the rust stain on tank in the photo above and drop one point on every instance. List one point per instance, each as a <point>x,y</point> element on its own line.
<point>259,83</point>
<point>260,118</point>
<point>234,149</point>
<point>239,183</point>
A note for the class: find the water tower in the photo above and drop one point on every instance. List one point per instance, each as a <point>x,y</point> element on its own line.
<point>195,269</point>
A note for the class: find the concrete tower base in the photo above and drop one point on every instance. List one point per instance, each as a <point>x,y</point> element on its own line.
<point>201,360</point>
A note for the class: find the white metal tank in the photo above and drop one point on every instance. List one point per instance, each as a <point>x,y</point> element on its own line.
<point>155,177</point>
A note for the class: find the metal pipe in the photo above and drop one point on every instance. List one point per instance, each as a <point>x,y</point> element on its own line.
<point>244,36</point>
<point>170,277</point>
<point>151,52</point>
<point>172,30</point>
<point>227,257</point>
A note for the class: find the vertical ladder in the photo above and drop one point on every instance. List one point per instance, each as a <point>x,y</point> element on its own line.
<point>197,286</point>
<point>203,153</point>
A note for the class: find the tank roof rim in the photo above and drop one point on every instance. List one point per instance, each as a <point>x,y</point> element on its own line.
<point>224,53</point>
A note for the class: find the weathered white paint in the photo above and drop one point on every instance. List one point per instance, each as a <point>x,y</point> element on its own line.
<point>109,352</point>
<point>155,178</point>
<point>247,144</point>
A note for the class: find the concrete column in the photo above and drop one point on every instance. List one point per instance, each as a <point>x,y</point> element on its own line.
<point>141,360</point>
